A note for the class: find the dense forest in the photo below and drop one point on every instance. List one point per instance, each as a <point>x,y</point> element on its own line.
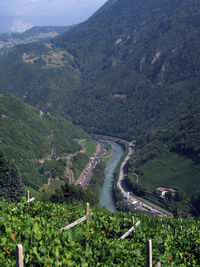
<point>10,184</point>
<point>138,57</point>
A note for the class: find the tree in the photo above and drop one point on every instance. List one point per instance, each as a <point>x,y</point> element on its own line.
<point>176,211</point>
<point>71,194</point>
<point>196,201</point>
<point>179,195</point>
<point>10,185</point>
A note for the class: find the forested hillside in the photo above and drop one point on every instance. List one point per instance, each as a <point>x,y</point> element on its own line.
<point>28,137</point>
<point>169,157</point>
<point>133,66</point>
<point>140,58</point>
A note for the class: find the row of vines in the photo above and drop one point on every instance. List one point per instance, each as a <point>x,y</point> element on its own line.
<point>35,225</point>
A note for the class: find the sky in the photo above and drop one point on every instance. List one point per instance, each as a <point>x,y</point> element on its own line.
<point>20,15</point>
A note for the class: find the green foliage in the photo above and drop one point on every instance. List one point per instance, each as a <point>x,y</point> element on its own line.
<point>144,51</point>
<point>171,170</point>
<point>80,161</point>
<point>53,168</point>
<point>28,137</point>
<point>33,193</point>
<point>90,147</point>
<point>132,67</point>
<point>169,157</point>
<point>98,177</point>
<point>137,189</point>
<point>10,184</point>
<point>196,201</point>
<point>131,70</point>
<point>72,194</point>
<point>35,226</point>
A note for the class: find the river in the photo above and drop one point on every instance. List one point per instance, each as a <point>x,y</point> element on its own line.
<point>106,191</point>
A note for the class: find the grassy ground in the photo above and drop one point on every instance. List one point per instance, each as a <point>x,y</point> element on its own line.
<point>80,161</point>
<point>54,59</point>
<point>90,147</point>
<point>171,170</point>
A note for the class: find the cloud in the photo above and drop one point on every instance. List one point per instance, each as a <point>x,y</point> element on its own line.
<point>20,26</point>
<point>47,12</point>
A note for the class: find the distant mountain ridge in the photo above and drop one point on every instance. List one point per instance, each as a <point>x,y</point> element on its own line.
<point>36,33</point>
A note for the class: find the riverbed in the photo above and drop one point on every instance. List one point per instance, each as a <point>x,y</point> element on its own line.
<point>106,198</point>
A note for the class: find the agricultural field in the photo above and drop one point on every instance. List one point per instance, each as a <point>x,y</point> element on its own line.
<point>35,225</point>
<point>80,160</point>
<point>53,59</point>
<point>171,170</point>
<point>90,147</point>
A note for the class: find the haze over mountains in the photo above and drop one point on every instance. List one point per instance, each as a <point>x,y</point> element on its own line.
<point>34,34</point>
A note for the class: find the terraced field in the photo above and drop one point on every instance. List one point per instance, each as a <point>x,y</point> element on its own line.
<point>171,170</point>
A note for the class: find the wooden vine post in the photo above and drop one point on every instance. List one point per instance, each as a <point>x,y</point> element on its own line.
<point>27,196</point>
<point>19,256</point>
<point>149,253</point>
<point>132,229</point>
<point>87,222</point>
<point>87,212</point>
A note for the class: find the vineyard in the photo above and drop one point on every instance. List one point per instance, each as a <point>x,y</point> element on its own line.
<point>36,225</point>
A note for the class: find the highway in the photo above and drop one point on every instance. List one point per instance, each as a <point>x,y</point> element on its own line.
<point>132,200</point>
<point>86,175</point>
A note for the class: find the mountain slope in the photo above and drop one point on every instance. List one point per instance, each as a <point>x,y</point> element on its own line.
<point>169,157</point>
<point>132,67</point>
<point>139,57</point>
<point>27,136</point>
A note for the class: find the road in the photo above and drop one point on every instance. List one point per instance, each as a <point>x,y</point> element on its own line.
<point>71,174</point>
<point>132,200</point>
<point>86,175</point>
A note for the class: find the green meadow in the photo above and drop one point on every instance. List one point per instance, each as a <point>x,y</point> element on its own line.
<point>171,170</point>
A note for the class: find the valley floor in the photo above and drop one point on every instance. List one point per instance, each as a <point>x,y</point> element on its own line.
<point>136,202</point>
